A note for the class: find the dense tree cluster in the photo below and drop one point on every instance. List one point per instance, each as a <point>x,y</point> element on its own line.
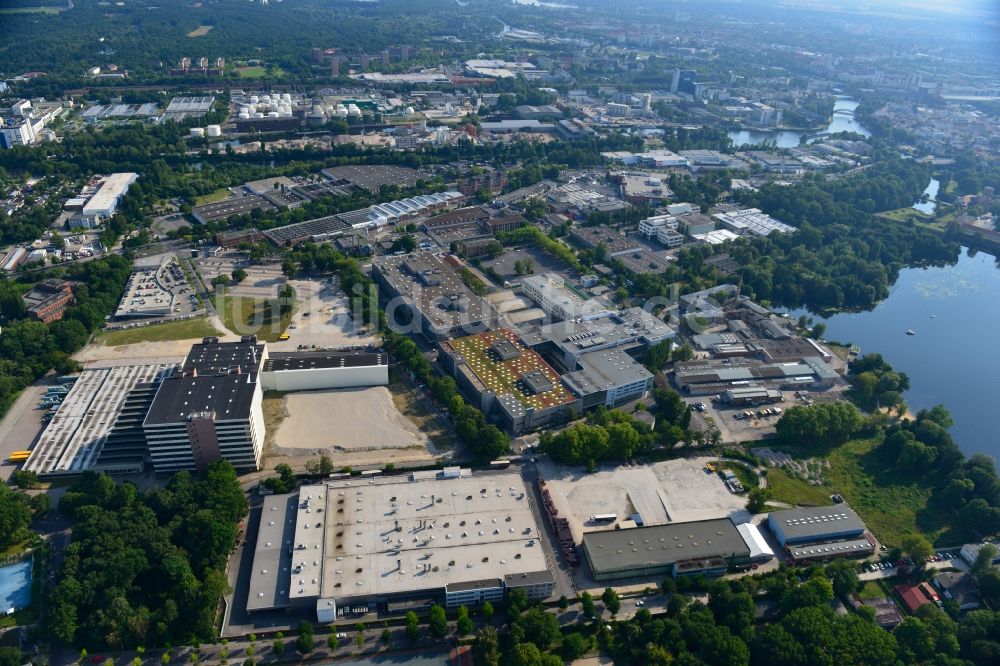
<point>616,435</point>
<point>842,256</point>
<point>824,422</point>
<point>16,511</point>
<point>145,568</point>
<point>29,348</point>
<point>876,383</point>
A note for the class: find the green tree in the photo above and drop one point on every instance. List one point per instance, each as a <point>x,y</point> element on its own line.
<point>306,642</point>
<point>844,576</point>
<point>574,646</point>
<point>486,649</point>
<point>386,636</point>
<point>412,627</point>
<point>333,642</point>
<point>756,500</point>
<point>487,610</point>
<point>464,623</point>
<point>278,645</point>
<point>437,622</point>
<point>611,600</point>
<point>587,605</point>
<point>239,275</point>
<point>917,547</point>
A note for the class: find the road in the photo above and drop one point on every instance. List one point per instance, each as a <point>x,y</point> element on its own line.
<point>21,424</point>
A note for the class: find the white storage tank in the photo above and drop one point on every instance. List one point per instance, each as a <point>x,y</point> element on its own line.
<point>409,111</point>
<point>213,130</point>
<point>254,99</point>
<point>272,114</point>
<point>197,132</point>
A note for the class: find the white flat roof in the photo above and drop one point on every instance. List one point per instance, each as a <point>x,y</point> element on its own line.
<point>394,535</point>
<point>111,191</point>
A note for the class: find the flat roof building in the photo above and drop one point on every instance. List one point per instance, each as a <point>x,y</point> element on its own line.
<point>815,524</point>
<point>673,548</point>
<point>430,289</point>
<point>373,177</point>
<point>310,371</point>
<point>104,203</point>
<point>458,537</point>
<point>223,210</point>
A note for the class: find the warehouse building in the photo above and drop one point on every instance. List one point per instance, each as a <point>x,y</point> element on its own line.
<point>312,371</point>
<point>821,533</point>
<point>221,211</point>
<point>557,300</point>
<point>392,544</point>
<point>704,547</point>
<point>426,288</point>
<point>103,204</point>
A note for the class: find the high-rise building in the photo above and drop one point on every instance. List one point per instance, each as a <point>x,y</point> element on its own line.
<point>385,57</point>
<point>335,66</point>
<point>683,81</point>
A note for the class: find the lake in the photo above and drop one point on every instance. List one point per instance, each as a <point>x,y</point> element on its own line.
<point>953,311</point>
<point>839,122</point>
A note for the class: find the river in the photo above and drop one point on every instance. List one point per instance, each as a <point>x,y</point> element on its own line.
<point>953,312</point>
<point>928,207</point>
<point>839,122</point>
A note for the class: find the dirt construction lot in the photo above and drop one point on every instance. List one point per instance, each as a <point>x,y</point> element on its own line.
<point>261,282</point>
<point>355,426</point>
<point>322,319</point>
<point>673,491</point>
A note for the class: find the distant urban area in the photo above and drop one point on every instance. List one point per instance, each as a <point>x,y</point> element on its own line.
<point>498,333</point>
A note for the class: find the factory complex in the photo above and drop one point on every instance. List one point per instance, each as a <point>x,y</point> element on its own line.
<point>397,544</point>
<point>183,417</point>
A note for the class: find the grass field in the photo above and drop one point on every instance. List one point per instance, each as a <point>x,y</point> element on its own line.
<point>905,215</point>
<point>247,316</point>
<point>220,194</point>
<point>871,590</point>
<point>200,31</point>
<point>175,330</point>
<point>256,72</point>
<point>890,501</point>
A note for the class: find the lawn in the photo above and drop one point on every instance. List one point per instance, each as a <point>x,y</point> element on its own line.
<point>252,316</point>
<point>905,215</point>
<point>891,502</point>
<point>871,590</point>
<point>257,72</point>
<point>200,31</point>
<point>220,194</point>
<point>175,330</point>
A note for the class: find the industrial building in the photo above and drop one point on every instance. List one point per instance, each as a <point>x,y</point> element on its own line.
<point>393,544</point>
<point>508,381</point>
<point>751,222</point>
<point>704,547</point>
<point>556,299</point>
<point>184,417</point>
<point>47,301</point>
<point>223,210</point>
<point>372,178</point>
<point>535,377</point>
<point>210,409</point>
<point>426,287</point>
<point>715,376</point>
<point>821,533</point>
<point>103,204</point>
<point>324,370</point>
